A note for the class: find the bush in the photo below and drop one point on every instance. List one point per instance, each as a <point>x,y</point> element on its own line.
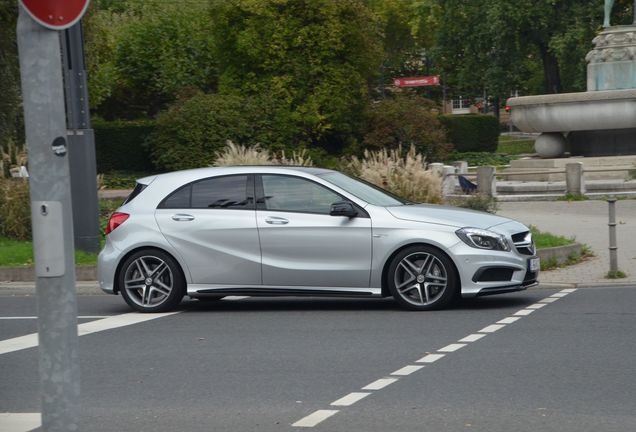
<point>472,133</point>
<point>191,132</point>
<point>119,145</point>
<point>15,209</point>
<point>406,121</point>
<point>406,177</point>
<point>234,155</point>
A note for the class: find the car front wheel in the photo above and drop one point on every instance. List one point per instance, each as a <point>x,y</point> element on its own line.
<point>422,278</point>
<point>151,281</point>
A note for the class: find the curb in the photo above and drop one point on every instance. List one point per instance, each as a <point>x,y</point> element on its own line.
<point>559,253</point>
<point>27,274</point>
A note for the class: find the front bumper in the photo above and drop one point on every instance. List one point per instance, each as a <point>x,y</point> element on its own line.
<point>513,273</point>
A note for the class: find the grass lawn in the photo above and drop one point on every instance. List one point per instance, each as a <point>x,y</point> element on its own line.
<point>545,240</point>
<point>14,253</point>
<point>512,145</point>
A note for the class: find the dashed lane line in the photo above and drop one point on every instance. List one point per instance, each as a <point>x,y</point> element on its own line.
<point>319,416</point>
<point>380,384</point>
<point>116,321</point>
<point>407,370</point>
<point>316,417</point>
<point>19,422</point>
<point>350,399</point>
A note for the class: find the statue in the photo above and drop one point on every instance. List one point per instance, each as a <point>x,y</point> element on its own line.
<point>608,11</point>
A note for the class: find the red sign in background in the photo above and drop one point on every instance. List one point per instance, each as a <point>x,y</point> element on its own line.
<point>56,14</point>
<point>417,81</point>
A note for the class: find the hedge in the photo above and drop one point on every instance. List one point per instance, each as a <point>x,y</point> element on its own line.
<point>471,132</point>
<point>119,145</point>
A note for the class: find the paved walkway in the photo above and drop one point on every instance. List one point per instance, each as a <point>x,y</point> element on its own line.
<point>587,222</point>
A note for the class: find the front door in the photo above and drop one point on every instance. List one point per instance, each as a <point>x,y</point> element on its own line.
<point>301,244</point>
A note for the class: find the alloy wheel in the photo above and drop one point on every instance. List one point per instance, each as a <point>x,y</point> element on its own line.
<point>420,279</point>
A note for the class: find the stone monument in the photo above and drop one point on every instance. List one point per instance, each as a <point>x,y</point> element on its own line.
<point>598,122</point>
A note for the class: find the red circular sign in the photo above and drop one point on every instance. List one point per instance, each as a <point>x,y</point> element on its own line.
<point>55,14</point>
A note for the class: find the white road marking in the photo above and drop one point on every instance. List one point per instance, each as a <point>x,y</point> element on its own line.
<point>472,338</point>
<point>20,422</point>
<point>451,347</point>
<point>380,384</point>
<point>34,317</point>
<point>508,320</point>
<point>430,358</point>
<point>116,321</point>
<point>524,312</point>
<point>491,328</point>
<point>350,399</point>
<point>314,418</point>
<point>548,300</point>
<point>569,290</point>
<point>407,370</point>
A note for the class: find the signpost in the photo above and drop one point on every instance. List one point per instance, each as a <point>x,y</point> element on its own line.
<point>46,136</point>
<point>417,81</point>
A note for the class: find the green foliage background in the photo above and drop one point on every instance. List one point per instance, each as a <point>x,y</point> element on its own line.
<point>472,133</point>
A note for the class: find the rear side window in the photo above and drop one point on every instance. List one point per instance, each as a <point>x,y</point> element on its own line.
<point>228,192</point>
<point>136,191</point>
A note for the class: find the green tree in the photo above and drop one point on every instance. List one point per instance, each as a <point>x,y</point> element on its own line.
<point>316,58</point>
<point>406,121</point>
<point>143,54</point>
<point>11,135</point>
<point>532,45</point>
<point>409,29</point>
<point>192,131</point>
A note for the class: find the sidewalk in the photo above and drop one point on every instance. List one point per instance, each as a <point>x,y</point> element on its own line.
<point>587,222</point>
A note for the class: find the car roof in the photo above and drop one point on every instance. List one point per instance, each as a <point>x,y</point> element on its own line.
<point>199,173</point>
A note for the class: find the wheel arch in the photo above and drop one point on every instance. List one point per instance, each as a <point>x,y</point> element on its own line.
<point>385,269</point>
<point>140,248</point>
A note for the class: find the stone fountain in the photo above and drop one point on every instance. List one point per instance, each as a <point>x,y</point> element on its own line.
<point>598,122</point>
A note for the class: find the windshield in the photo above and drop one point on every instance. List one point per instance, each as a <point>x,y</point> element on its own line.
<point>363,190</point>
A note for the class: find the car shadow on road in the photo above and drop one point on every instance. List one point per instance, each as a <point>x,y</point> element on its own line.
<point>308,304</point>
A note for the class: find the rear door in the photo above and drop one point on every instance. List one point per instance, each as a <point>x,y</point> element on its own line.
<point>301,244</point>
<point>212,224</point>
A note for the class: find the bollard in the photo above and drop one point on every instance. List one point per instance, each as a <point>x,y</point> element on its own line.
<point>449,180</point>
<point>613,249</point>
<point>575,178</point>
<point>461,167</point>
<point>486,182</point>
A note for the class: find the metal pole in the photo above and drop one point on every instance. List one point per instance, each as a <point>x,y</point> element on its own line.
<point>45,127</point>
<point>613,248</point>
<point>81,140</point>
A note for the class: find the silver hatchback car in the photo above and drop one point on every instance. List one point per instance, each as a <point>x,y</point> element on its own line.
<point>272,231</point>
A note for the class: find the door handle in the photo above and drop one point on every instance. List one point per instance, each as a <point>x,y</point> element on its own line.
<point>182,217</point>
<point>274,220</point>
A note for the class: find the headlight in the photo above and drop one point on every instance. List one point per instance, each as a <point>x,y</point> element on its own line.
<point>483,239</point>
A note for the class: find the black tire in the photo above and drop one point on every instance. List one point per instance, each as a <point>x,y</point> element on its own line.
<point>150,280</point>
<point>422,278</point>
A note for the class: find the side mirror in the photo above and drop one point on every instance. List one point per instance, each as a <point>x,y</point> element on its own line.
<point>343,208</point>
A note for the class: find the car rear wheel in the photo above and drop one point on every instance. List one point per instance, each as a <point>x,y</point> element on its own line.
<point>151,281</point>
<point>422,278</point>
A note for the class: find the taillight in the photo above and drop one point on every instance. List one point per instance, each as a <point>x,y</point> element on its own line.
<point>115,220</point>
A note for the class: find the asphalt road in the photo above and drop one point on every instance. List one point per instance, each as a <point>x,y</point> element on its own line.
<point>267,364</point>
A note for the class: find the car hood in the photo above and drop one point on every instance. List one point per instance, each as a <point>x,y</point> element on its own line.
<point>444,215</point>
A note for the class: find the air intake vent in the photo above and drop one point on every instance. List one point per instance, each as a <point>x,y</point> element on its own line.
<point>523,242</point>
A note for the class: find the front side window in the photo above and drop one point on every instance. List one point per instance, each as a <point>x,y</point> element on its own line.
<point>228,192</point>
<point>285,193</point>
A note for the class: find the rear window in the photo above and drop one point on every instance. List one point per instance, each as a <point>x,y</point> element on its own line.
<point>227,192</point>
<point>136,191</point>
